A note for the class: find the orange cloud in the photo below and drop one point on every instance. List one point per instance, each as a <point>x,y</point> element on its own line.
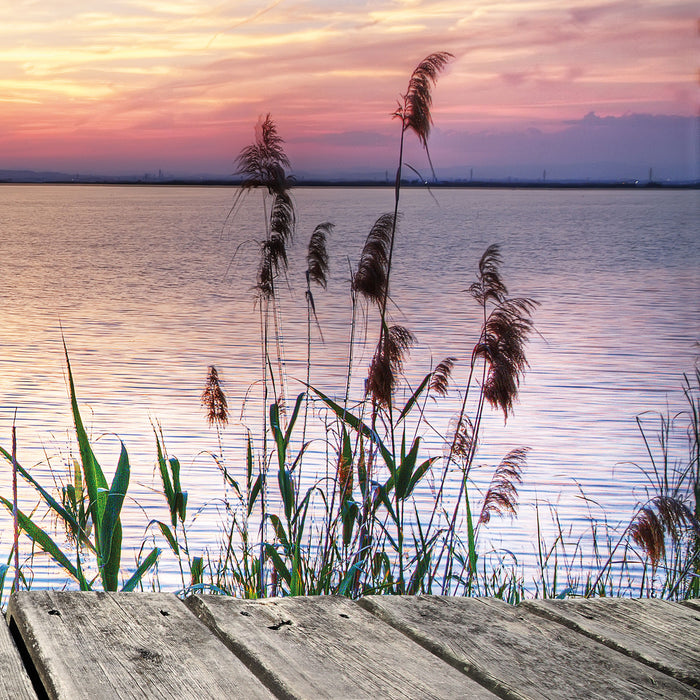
<point>158,72</point>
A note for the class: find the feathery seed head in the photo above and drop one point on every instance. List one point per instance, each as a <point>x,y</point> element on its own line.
<point>214,399</point>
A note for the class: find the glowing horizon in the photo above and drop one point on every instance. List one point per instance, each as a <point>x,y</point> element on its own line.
<point>150,84</point>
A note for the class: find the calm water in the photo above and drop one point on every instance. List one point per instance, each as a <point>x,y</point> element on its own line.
<point>150,287</point>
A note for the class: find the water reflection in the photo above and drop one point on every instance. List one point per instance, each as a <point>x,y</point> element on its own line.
<point>148,292</point>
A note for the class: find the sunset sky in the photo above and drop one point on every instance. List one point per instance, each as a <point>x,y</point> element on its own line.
<point>590,88</point>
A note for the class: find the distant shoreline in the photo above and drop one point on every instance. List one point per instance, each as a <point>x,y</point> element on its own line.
<point>452,184</point>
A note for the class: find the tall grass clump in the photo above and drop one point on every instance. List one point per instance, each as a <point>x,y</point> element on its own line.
<point>352,526</point>
<point>90,510</point>
<point>326,492</point>
<point>662,538</point>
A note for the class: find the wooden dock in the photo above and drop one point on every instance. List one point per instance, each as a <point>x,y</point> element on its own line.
<point>100,646</point>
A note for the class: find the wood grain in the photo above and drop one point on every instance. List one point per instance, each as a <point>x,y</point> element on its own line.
<point>126,645</point>
<point>329,647</point>
<point>14,681</point>
<point>662,634</point>
<point>519,654</point>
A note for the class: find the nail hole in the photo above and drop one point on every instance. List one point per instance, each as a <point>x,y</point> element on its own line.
<point>279,625</point>
<point>54,612</point>
<point>347,617</point>
<point>164,613</point>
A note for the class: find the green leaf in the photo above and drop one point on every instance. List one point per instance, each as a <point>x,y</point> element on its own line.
<point>143,567</point>
<point>473,555</point>
<point>114,502</point>
<point>419,473</point>
<point>94,477</point>
<point>43,540</point>
<point>52,502</point>
<point>197,570</point>
<point>286,484</point>
<point>383,493</point>
<point>169,536</point>
<point>110,570</point>
<point>293,420</point>
<point>349,578</point>
<point>280,532</point>
<point>282,570</point>
<point>359,426</point>
<point>254,492</point>
<point>348,514</point>
<point>165,479</point>
<point>414,397</point>
<point>249,461</point>
<point>405,471</point>
<point>277,432</point>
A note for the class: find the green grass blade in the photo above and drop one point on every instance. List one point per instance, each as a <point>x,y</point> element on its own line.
<point>282,570</point>
<point>115,500</point>
<point>348,580</point>
<point>287,491</point>
<point>404,473</point>
<point>110,570</point>
<point>165,479</point>
<point>62,513</point>
<point>414,397</point>
<point>43,541</point>
<point>180,495</point>
<point>255,491</point>
<point>358,425</point>
<point>419,473</point>
<point>94,477</point>
<point>168,534</point>
<point>144,566</point>
<point>293,419</point>
<point>280,532</point>
<point>278,434</point>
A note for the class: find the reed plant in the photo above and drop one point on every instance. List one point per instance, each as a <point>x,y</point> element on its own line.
<point>356,529</point>
<point>90,510</point>
<point>346,520</point>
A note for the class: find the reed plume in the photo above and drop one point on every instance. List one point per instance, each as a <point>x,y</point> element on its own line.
<point>371,278</point>
<point>387,363</point>
<point>214,400</point>
<point>460,435</point>
<point>489,285</point>
<point>662,516</point>
<point>264,162</point>
<point>317,255</point>
<point>502,495</point>
<point>439,382</point>
<point>414,112</point>
<point>506,329</point>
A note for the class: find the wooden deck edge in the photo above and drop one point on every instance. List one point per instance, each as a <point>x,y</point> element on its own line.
<point>28,651</point>
<point>552,615</point>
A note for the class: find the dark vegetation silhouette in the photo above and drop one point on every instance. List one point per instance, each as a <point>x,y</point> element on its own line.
<point>352,525</point>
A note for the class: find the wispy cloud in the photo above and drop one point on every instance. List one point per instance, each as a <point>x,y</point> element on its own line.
<point>128,69</point>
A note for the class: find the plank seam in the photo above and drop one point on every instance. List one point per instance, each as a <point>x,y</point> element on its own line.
<point>465,667</point>
<point>27,661</point>
<point>254,665</point>
<point>553,616</point>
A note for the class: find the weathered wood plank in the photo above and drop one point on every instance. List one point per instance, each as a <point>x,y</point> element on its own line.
<point>329,647</point>
<point>662,634</point>
<point>694,603</point>
<point>126,645</point>
<point>519,654</point>
<point>14,681</point>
